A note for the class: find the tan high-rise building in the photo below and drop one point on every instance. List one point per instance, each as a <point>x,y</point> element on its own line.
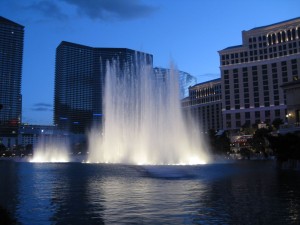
<point>204,104</point>
<point>252,74</point>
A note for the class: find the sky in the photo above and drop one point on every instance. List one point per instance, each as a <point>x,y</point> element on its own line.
<point>188,33</point>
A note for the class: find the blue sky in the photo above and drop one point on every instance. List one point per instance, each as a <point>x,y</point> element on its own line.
<point>188,32</point>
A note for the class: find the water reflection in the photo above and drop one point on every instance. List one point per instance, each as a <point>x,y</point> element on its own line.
<point>72,197</point>
<point>148,201</point>
<point>75,193</point>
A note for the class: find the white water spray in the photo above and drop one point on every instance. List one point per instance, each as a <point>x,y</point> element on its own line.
<point>51,149</point>
<point>144,122</point>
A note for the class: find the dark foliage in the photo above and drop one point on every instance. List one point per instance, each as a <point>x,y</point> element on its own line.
<point>2,147</point>
<point>6,218</point>
<point>286,146</point>
<point>258,142</point>
<point>277,122</point>
<point>219,144</point>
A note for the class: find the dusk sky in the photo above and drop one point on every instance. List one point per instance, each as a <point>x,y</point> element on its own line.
<point>188,32</point>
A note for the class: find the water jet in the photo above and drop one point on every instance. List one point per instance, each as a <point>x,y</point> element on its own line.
<point>143,121</point>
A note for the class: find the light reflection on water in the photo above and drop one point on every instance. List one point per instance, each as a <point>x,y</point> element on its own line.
<point>76,193</point>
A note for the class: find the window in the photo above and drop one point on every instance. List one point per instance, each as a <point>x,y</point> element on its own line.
<point>257,114</point>
<point>247,115</point>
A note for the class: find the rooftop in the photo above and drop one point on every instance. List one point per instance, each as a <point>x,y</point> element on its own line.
<point>232,47</point>
<point>9,22</point>
<point>282,22</point>
<point>207,82</point>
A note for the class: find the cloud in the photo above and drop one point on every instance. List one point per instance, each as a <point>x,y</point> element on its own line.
<point>42,107</point>
<point>48,9</point>
<point>112,9</point>
<point>105,10</point>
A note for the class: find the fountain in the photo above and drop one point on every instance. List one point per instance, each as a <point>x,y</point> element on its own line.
<point>51,149</point>
<point>143,122</point>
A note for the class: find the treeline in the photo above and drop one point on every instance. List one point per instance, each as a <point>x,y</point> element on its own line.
<point>283,147</point>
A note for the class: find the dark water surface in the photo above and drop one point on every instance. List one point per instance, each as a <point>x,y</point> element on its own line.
<point>244,192</point>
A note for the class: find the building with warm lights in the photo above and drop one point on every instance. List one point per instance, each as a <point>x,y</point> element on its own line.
<point>252,74</point>
<point>79,82</point>
<point>292,90</point>
<point>11,60</point>
<point>204,104</point>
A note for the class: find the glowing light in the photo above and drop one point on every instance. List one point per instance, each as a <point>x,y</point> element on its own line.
<point>144,124</point>
<point>50,150</point>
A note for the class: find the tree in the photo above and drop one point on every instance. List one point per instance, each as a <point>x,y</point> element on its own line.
<point>277,122</point>
<point>259,140</point>
<point>247,129</point>
<point>6,217</point>
<point>2,147</point>
<point>286,146</point>
<point>220,144</point>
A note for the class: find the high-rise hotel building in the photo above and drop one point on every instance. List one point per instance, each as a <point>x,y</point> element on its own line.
<point>11,59</point>
<point>204,104</point>
<point>252,74</point>
<point>79,82</point>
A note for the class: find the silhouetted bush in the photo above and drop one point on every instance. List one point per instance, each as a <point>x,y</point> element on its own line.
<point>5,217</point>
<point>286,146</point>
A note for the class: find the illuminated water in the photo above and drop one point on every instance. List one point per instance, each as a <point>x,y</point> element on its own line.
<point>51,149</point>
<point>246,192</point>
<point>144,123</point>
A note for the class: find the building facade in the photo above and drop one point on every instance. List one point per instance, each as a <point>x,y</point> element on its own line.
<point>11,59</point>
<point>79,82</point>
<point>292,90</point>
<point>292,123</point>
<point>31,134</point>
<point>205,104</point>
<point>252,74</point>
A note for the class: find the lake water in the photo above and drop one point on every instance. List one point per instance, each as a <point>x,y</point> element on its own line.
<point>243,192</point>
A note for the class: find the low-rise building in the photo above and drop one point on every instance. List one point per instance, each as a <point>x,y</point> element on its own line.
<point>292,91</point>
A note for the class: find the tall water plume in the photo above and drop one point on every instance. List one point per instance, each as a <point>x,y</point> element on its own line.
<point>143,122</point>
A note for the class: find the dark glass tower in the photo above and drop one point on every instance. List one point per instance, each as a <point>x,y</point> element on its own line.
<point>79,82</point>
<point>11,57</point>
